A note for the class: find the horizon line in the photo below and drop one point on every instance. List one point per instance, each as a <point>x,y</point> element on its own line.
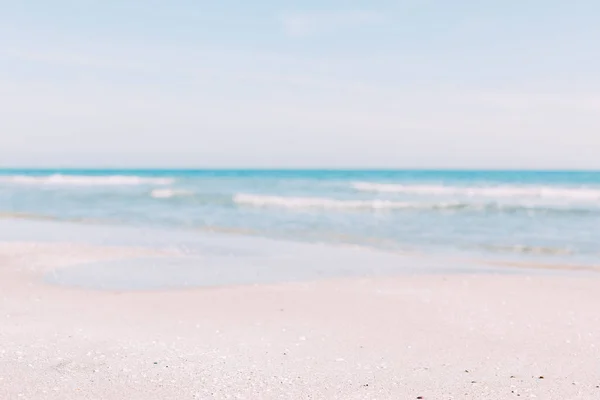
<point>292,169</point>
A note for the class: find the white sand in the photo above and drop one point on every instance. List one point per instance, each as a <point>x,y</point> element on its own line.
<point>439,337</point>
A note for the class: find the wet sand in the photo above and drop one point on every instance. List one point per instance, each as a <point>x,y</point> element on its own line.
<point>430,336</point>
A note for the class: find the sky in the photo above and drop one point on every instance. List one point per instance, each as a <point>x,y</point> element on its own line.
<point>284,84</point>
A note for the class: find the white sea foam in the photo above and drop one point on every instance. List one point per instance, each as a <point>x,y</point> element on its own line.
<point>84,180</point>
<point>169,193</point>
<point>378,204</point>
<point>558,193</point>
<point>314,202</point>
<point>328,203</point>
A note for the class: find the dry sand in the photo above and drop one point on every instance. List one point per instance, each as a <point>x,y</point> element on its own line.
<point>407,337</point>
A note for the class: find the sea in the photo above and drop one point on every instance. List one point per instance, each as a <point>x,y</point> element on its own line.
<point>547,217</point>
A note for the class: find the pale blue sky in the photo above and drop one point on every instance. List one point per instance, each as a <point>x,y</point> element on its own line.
<point>414,83</point>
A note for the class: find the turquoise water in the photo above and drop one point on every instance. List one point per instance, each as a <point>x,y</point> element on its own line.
<point>499,214</point>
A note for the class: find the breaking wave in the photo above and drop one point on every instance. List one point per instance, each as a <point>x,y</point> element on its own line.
<point>558,193</point>
<point>169,193</point>
<point>373,205</point>
<point>84,180</point>
<point>314,202</point>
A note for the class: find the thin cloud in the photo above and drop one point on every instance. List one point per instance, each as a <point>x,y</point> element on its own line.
<point>300,24</point>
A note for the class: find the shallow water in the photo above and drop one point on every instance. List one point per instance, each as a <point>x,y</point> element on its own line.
<point>200,259</point>
<point>523,216</point>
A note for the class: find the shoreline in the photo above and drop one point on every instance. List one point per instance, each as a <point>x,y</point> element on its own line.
<point>168,239</point>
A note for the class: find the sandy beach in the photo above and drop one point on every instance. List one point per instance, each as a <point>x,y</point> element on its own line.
<point>430,336</point>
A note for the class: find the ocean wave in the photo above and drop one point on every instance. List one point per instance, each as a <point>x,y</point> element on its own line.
<point>169,193</point>
<point>84,180</point>
<point>314,202</point>
<point>558,193</point>
<point>377,204</point>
